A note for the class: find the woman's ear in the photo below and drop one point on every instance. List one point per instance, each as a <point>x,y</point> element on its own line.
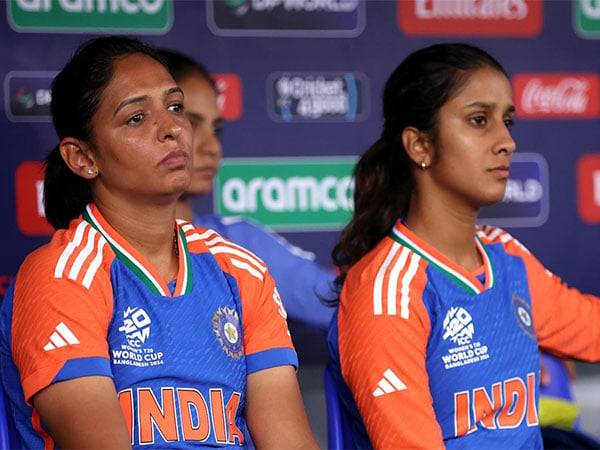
<point>78,157</point>
<point>417,146</point>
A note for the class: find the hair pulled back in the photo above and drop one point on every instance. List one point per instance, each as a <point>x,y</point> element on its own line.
<point>412,97</point>
<point>76,92</point>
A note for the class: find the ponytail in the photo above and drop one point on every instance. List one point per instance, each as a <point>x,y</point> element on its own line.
<point>65,194</point>
<point>383,185</point>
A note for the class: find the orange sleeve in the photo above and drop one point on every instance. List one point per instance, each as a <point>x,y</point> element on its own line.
<point>566,321</point>
<point>57,321</point>
<point>383,360</point>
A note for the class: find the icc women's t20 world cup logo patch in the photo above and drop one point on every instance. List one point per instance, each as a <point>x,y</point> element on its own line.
<point>226,325</point>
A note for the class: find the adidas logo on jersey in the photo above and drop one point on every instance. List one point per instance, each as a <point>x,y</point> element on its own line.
<point>61,337</point>
<point>388,384</point>
<point>458,326</point>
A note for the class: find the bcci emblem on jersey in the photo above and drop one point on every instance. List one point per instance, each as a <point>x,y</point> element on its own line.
<point>226,325</point>
<point>522,311</point>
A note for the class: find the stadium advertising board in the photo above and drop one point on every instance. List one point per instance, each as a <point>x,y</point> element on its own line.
<point>522,18</point>
<point>588,188</point>
<point>318,97</point>
<point>526,201</point>
<point>557,95</point>
<point>27,96</point>
<point>586,18</point>
<point>59,16</point>
<point>286,18</point>
<point>308,194</point>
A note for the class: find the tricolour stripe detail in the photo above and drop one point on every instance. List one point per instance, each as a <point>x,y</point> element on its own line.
<point>71,246</point>
<point>83,254</point>
<point>392,293</point>
<point>378,285</point>
<point>184,275</point>
<point>127,258</point>
<point>453,274</point>
<point>247,267</point>
<point>487,264</point>
<point>95,264</point>
<point>405,287</point>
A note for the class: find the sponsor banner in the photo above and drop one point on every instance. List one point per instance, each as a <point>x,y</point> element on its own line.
<point>27,96</point>
<point>90,16</point>
<point>29,188</point>
<point>527,198</point>
<point>229,86</point>
<point>288,194</point>
<point>586,18</point>
<point>557,95</point>
<point>588,188</point>
<point>318,96</point>
<point>522,18</point>
<point>286,18</point>
<point>5,283</point>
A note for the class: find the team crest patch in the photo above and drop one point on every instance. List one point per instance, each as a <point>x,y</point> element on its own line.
<point>226,325</point>
<point>522,311</point>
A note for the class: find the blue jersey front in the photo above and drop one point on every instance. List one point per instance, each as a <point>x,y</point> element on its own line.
<point>87,304</point>
<point>429,355</point>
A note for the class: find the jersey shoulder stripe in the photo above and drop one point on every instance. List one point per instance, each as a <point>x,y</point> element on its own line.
<point>490,235</point>
<point>227,254</point>
<point>76,254</point>
<point>394,274</point>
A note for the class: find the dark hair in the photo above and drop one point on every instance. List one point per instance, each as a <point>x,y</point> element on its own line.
<point>181,66</point>
<point>413,96</point>
<point>76,92</point>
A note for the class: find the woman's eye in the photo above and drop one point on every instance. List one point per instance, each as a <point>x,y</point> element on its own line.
<point>135,119</point>
<point>176,107</point>
<point>510,122</point>
<point>479,120</point>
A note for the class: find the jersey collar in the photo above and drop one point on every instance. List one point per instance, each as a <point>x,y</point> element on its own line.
<point>136,262</point>
<point>466,280</point>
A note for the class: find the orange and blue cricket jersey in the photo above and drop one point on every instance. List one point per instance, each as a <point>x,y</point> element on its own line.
<point>429,355</point>
<point>179,353</point>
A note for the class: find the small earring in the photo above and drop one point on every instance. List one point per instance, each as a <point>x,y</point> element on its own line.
<point>423,165</point>
<point>91,172</point>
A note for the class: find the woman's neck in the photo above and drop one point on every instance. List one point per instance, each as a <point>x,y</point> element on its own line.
<point>183,209</point>
<point>447,226</point>
<point>149,228</point>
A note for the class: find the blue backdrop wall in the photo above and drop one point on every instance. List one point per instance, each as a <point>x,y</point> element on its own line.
<point>302,78</point>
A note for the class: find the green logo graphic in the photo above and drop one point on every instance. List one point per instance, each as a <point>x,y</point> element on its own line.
<point>290,194</point>
<point>586,15</point>
<point>139,16</point>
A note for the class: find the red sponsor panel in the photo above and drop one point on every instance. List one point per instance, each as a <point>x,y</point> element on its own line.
<point>229,86</point>
<point>588,188</point>
<point>557,95</point>
<point>522,18</point>
<point>4,283</point>
<point>29,188</point>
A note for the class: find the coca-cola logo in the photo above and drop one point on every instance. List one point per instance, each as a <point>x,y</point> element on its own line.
<point>557,95</point>
<point>470,18</point>
<point>588,188</point>
<point>229,86</point>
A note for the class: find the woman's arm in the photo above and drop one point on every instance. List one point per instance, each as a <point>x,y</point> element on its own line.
<point>83,413</point>
<point>275,412</point>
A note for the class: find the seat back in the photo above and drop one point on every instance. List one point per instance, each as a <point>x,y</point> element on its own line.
<point>339,425</point>
<point>9,437</point>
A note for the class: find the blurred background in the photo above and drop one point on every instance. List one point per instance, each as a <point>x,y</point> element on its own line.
<point>300,84</point>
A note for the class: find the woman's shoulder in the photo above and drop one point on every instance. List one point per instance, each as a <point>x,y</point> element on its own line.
<point>78,254</point>
<point>490,235</point>
<point>231,257</point>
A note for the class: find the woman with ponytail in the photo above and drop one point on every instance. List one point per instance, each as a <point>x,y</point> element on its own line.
<point>130,328</point>
<point>435,340</point>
